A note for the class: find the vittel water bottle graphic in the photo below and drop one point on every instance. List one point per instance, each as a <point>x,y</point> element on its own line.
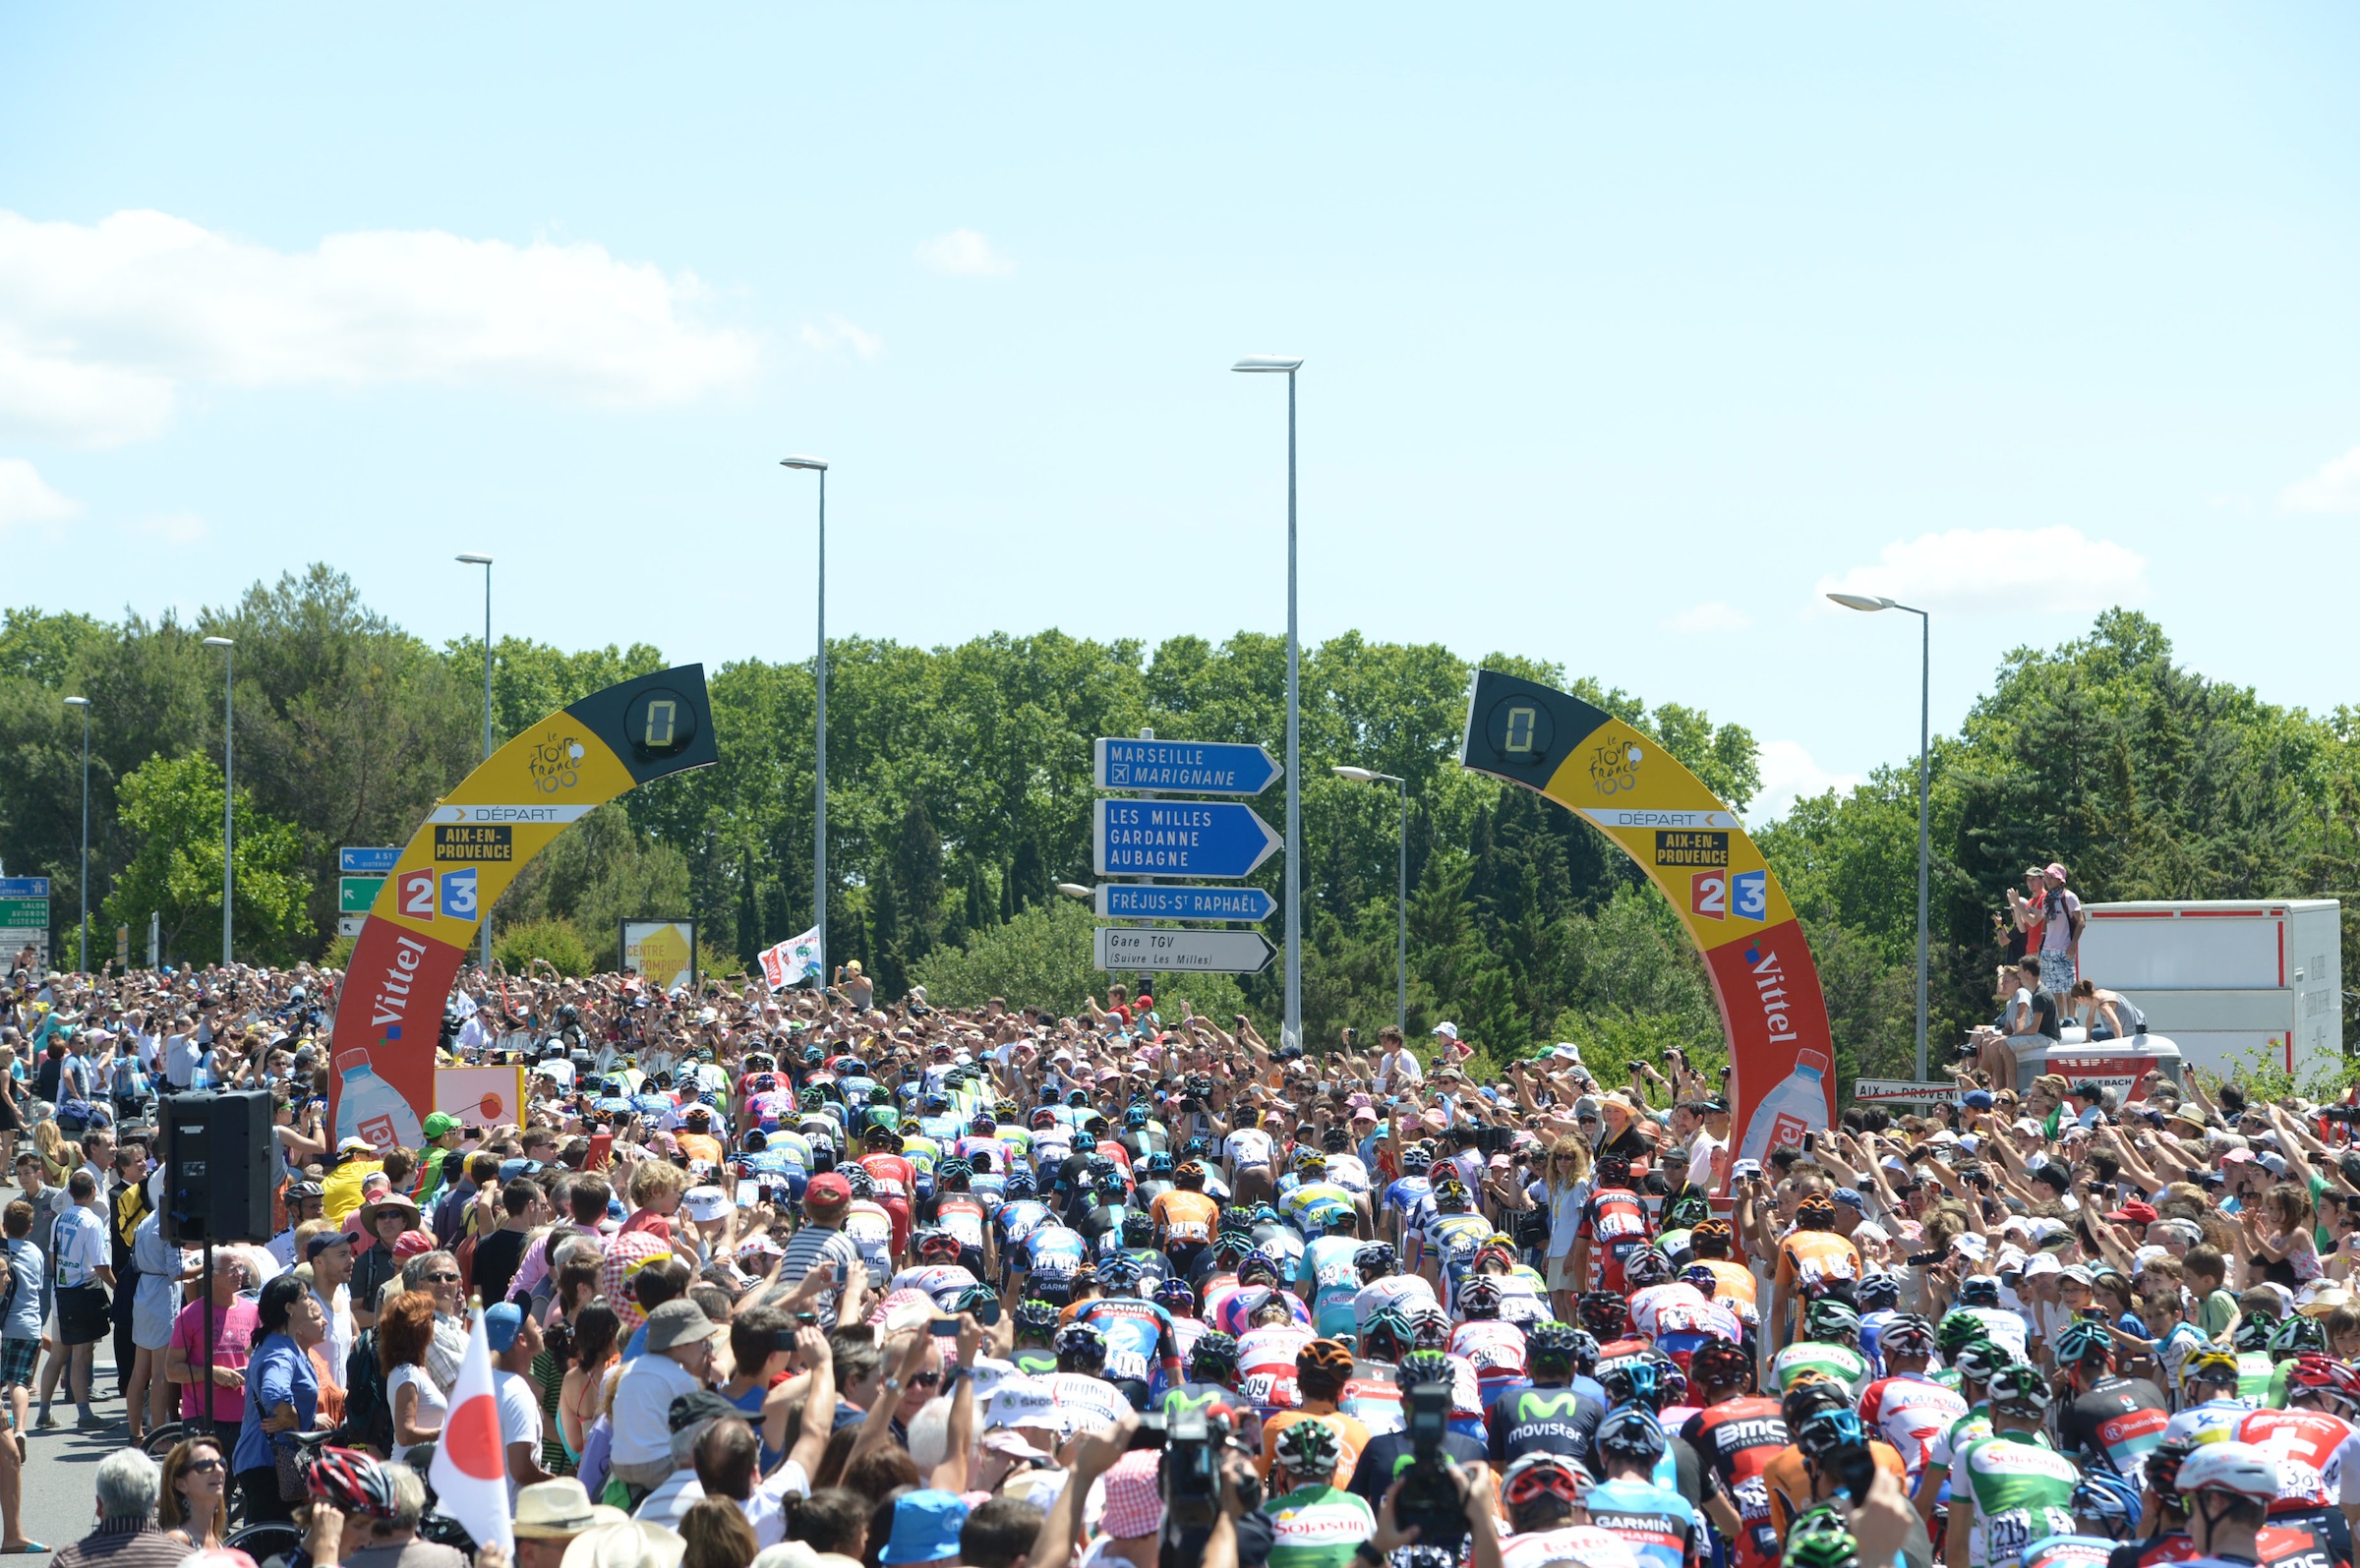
<point>1796,1107</point>
<point>368,1107</point>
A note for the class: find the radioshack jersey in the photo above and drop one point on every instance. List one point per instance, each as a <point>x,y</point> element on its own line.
<point>1654,1521</point>
<point>2120,1418</point>
<point>1737,1440</point>
<point>1910,1411</point>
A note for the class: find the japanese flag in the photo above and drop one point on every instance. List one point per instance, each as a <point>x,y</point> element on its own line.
<point>470,1471</point>
<point>792,962</point>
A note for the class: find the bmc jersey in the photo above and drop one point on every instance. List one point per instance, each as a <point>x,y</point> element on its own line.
<point>1654,1521</point>
<point>2021,1491</point>
<point>1910,1411</point>
<point>1737,1438</point>
<point>2120,1418</point>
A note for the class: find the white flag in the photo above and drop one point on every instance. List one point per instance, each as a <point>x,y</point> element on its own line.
<point>792,962</point>
<point>470,1471</point>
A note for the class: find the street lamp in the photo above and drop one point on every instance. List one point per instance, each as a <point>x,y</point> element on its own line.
<point>1073,890</point>
<point>819,745</point>
<point>1925,654</point>
<point>1401,895</point>
<point>81,948</point>
<point>485,561</point>
<point>1292,1033</point>
<point>229,663</point>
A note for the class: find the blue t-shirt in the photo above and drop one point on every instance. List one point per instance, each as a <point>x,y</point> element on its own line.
<point>278,1374</point>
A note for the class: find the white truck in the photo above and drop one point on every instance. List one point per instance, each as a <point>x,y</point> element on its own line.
<point>2227,979</point>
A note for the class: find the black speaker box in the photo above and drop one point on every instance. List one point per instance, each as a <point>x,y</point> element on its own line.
<point>215,1150</point>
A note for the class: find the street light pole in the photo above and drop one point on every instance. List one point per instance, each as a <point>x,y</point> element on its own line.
<point>485,561</point>
<point>1925,688</point>
<point>81,948</point>
<point>1292,1032</point>
<point>229,791</point>
<point>819,744</point>
<point>1401,893</point>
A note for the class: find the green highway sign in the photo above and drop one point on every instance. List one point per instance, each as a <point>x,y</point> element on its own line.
<point>354,895</point>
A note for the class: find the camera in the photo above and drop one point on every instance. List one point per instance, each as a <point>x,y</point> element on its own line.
<point>2349,1115</point>
<point>1192,1466</point>
<point>1430,1497</point>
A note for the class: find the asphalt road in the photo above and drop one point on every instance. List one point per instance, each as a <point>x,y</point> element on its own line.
<point>59,1488</point>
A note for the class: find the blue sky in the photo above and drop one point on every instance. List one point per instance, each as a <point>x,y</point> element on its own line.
<point>1627,333</point>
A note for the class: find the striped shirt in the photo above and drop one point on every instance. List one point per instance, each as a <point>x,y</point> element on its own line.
<point>812,1247</point>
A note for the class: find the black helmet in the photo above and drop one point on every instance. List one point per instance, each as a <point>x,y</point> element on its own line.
<point>1036,1318</point>
<point>1081,1349</point>
<point>1630,1431</point>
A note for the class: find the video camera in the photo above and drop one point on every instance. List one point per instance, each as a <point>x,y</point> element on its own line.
<point>1429,1496</point>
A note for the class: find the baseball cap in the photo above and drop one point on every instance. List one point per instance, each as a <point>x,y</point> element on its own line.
<point>322,1241</point>
<point>1449,1031</point>
<point>926,1523</point>
<point>705,1204</point>
<point>827,1190</point>
<point>439,1122</point>
<point>502,1322</point>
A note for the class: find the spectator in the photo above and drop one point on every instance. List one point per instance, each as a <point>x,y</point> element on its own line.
<point>515,1339</point>
<point>127,1535</point>
<point>716,1536</point>
<point>191,1501</point>
<point>283,1394</point>
<point>84,1276</point>
<point>405,1333</point>
<point>550,1514</point>
<point>2061,923</point>
<point>691,1417</point>
<point>676,1363</point>
<point>233,1321</point>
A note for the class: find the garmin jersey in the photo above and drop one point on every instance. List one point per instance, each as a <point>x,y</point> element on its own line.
<point>1910,1410</point>
<point>2019,1491</point>
<point>1839,1362</point>
<point>1737,1438</point>
<point>1656,1522</point>
<point>1141,1345</point>
<point>1329,1276</point>
<point>2119,1418</point>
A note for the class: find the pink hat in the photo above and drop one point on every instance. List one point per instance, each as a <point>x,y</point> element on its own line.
<point>1134,1496</point>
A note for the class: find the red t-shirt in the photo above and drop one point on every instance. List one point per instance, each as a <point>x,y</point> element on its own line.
<point>653,1224</point>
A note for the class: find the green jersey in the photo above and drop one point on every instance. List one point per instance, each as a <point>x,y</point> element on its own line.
<point>1846,1366</point>
<point>2020,1490</point>
<point>1317,1527</point>
<point>2255,1372</point>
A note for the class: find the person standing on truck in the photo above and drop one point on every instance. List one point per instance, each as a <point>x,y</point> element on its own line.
<point>2061,922</point>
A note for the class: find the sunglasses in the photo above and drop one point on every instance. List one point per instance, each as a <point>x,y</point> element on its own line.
<point>442,1279</point>
<point>204,1467</point>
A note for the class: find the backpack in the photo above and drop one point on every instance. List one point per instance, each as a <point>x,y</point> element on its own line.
<point>368,1408</point>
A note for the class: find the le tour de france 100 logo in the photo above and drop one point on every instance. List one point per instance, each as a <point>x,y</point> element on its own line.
<point>555,763</point>
<point>1615,768</point>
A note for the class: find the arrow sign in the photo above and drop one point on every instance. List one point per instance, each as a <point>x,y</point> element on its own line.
<point>368,862</point>
<point>1178,839</point>
<point>1205,952</point>
<point>1186,767</point>
<point>1139,901</point>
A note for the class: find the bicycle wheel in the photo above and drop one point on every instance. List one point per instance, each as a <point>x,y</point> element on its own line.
<point>268,1544</point>
<point>159,1443</point>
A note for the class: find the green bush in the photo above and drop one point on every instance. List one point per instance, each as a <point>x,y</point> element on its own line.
<point>1043,957</point>
<point>553,941</point>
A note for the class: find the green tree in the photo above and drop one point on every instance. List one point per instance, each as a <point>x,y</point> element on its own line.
<point>173,807</point>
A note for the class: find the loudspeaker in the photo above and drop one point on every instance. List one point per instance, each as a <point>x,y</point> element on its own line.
<point>215,1150</point>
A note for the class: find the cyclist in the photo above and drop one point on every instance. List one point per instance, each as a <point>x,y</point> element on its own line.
<point>1548,1415</point>
<point>2018,1488</point>
<point>1185,1218</point>
<point>1788,1482</point>
<point>1974,1361</point>
<point>1496,1347</point>
<point>2109,1418</point>
<point>1737,1435</point>
<point>1542,1493</point>
<point>1906,1406</point>
<point>2228,1488</point>
<point>1656,1522</point>
<point>1829,1347</point>
<point>1387,1454</point>
<point>1321,1370</point>
<point>1142,1356</point>
<point>2209,1408</point>
<point>1314,1523</point>
<point>1382,1282</point>
<point>2105,1511</point>
<point>1329,1277</point>
<point>1034,1324</point>
<point>1613,1226</point>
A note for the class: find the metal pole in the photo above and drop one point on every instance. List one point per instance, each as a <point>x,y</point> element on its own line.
<point>82,950</point>
<point>1293,1031</point>
<point>485,915</point>
<point>1925,667</point>
<point>229,665</point>
<point>1401,933</point>
<point>819,753</point>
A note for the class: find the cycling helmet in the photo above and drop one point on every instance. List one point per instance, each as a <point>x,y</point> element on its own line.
<point>352,1481</point>
<point>2254,1333</point>
<point>862,1184</point>
<point>1906,1334</point>
<point>1189,1171</point>
<point>1430,1327</point>
<point>939,1247</point>
<point>1633,1380</point>
<point>1957,1328</point>
<point>1646,1268</point>
<point>2332,1382</point>
<point>982,1125</point>
<point>1080,1349</point>
<point>1451,1195</point>
<point>1177,1297</point>
<point>1630,1431</point>
<point>1604,1313</point>
<point>1424,1366</point>
<point>1138,1229</point>
<point>2240,1469</point>
<point>1374,1261</point>
<point>1495,1256</point>
<point>1613,1170</point>
<point>1876,1292</point>
<point>1543,1474</point>
<point>1230,1248</point>
<point>2297,1335</point>
<point>2017,1389</point>
<point>2109,1503</point>
<point>1335,1140</point>
<point>1819,1539</point>
<point>1706,1282</point>
<point>1119,1273</point>
<point>1979,1290</point>
<point>1159,1164</point>
<point>1479,1295</point>
<point>1807,1398</point>
<point>880,1136</point>
<point>1717,1363</point>
<point>2163,1462</point>
<point>1323,1358</point>
<point>1309,1447</point>
<point>1977,1361</point>
<point>1110,1185</point>
<point>1824,1431</point>
<point>1258,1268</point>
<point>1552,1344</point>
<point>957,1168</point>
<point>1829,1321</point>
<point>1044,1116</point>
<point>1036,1318</point>
<point>1310,1162</point>
<point>1585,1352</point>
<point>1416,1160</point>
<point>975,1299</point>
<point>2083,1341</point>
<point>1136,1117</point>
<point>1020,1184</point>
<point>1214,1358</point>
<point>1670,1383</point>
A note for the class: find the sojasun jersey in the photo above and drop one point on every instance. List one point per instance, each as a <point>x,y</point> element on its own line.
<point>2019,1489</point>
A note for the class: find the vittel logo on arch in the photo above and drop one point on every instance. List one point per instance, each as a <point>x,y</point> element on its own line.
<point>1770,989</point>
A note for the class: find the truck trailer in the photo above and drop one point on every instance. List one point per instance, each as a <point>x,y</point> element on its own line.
<point>2229,980</point>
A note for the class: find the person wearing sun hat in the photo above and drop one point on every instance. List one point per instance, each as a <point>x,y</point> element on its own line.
<point>550,1514</point>
<point>926,1525</point>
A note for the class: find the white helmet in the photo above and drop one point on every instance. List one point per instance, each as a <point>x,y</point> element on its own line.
<point>2240,1469</point>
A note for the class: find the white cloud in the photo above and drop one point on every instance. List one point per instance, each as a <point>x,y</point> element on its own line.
<point>101,323</point>
<point>172,528</point>
<point>963,253</point>
<point>1790,775</point>
<point>2335,487</point>
<point>1998,571</point>
<point>826,338</point>
<point>1710,616</point>
<point>27,500</point>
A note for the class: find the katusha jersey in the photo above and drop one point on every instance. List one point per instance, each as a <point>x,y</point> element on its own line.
<point>2017,1490</point>
<point>1586,1544</point>
<point>1910,1411</point>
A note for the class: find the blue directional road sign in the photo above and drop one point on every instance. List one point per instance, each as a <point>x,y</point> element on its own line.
<point>1178,839</point>
<point>1183,767</point>
<point>1145,900</point>
<point>369,862</point>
